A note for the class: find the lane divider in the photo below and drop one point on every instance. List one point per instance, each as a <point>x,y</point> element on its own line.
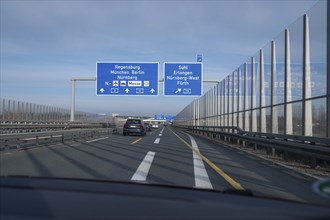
<point>142,171</point>
<point>134,142</point>
<point>202,179</point>
<point>97,139</point>
<point>159,135</point>
<point>230,180</point>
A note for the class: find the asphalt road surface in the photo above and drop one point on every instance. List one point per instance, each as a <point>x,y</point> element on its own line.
<point>166,156</point>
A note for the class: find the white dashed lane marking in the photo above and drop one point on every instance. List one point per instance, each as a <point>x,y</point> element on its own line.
<point>142,171</point>
<point>96,139</point>
<point>201,178</point>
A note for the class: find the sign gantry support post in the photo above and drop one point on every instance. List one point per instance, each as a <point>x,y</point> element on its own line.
<point>73,81</point>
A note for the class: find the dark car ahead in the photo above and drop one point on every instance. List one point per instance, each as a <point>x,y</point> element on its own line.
<point>148,126</point>
<point>134,126</point>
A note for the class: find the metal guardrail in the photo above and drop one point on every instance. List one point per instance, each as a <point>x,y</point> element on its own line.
<point>311,147</point>
<point>25,140</point>
<point>6,128</point>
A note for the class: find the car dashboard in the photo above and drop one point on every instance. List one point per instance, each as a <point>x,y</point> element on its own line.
<point>58,198</point>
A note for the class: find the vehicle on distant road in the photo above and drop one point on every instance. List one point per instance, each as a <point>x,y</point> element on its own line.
<point>148,126</point>
<point>154,125</point>
<point>134,126</point>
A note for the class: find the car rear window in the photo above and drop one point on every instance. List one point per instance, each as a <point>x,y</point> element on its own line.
<point>133,121</point>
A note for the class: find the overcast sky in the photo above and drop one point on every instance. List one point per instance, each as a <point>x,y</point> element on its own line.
<point>46,43</point>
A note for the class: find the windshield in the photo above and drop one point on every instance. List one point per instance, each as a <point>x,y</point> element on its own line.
<point>236,93</point>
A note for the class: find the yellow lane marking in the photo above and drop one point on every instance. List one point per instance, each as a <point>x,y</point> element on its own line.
<point>134,142</point>
<point>230,180</point>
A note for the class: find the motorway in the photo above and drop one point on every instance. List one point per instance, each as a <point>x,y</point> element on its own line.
<point>164,156</point>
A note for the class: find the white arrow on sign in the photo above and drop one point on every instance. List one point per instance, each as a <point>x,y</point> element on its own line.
<point>102,90</point>
<point>179,90</point>
<point>152,91</point>
<point>127,90</point>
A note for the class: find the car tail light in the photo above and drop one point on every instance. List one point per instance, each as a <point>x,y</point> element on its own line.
<point>141,126</point>
<point>125,125</point>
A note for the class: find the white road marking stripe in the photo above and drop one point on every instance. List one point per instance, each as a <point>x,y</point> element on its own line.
<point>142,171</point>
<point>162,131</point>
<point>157,141</point>
<point>201,178</point>
<point>160,135</point>
<point>96,139</point>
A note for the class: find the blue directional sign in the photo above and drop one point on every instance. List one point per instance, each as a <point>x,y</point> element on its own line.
<point>183,79</point>
<point>199,58</point>
<point>170,118</point>
<point>159,117</point>
<point>126,79</point>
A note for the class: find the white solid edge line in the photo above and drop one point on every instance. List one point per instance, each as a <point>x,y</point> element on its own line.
<point>142,171</point>
<point>96,139</point>
<point>202,179</point>
<point>157,141</point>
